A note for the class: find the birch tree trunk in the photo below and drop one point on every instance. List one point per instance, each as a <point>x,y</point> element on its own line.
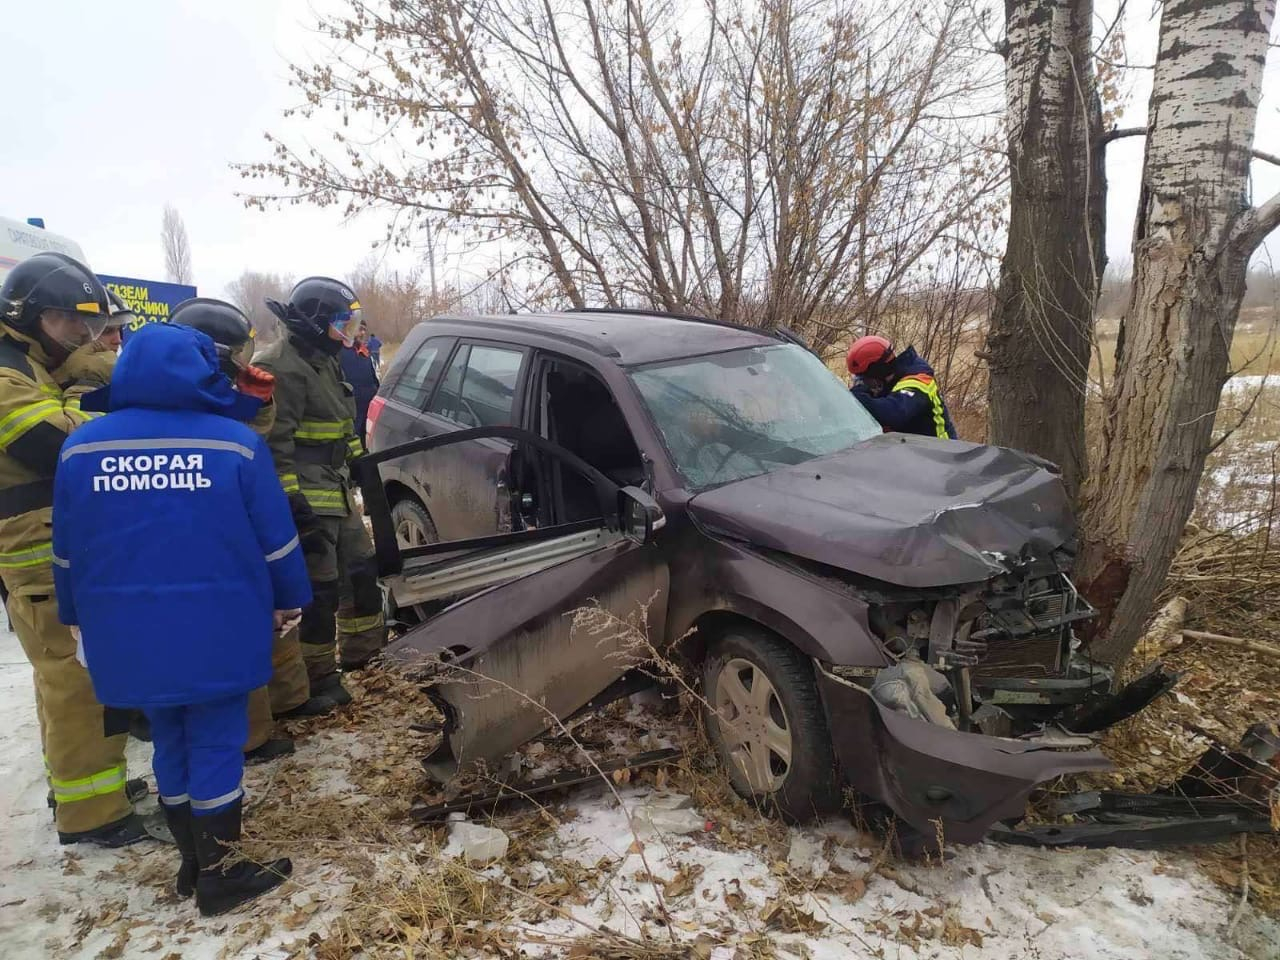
<point>1041,331</point>
<point>1194,236</point>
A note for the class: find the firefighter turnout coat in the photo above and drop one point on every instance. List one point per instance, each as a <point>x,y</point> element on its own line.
<point>86,768</point>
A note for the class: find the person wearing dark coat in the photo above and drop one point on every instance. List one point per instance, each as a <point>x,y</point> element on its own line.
<point>176,559</point>
<point>899,389</point>
<point>359,369</point>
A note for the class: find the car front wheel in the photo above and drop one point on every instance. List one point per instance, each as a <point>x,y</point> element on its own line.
<point>766,721</point>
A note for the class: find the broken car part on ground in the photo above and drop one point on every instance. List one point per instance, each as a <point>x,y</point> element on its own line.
<point>884,612</point>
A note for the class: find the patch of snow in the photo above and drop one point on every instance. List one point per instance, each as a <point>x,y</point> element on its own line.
<point>475,843</point>
<point>50,895</point>
<point>1054,905</point>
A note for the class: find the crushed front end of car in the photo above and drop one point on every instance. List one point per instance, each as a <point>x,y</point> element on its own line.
<point>967,684</point>
<point>987,696</point>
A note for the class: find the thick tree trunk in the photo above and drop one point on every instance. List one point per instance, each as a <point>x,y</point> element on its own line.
<point>1042,327</point>
<point>1195,232</point>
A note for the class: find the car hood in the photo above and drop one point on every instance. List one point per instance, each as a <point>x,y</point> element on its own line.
<point>908,510</point>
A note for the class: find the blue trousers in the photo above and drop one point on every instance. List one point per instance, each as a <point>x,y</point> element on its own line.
<point>198,752</point>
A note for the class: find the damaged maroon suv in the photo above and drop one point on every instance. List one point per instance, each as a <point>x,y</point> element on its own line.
<point>878,611</point>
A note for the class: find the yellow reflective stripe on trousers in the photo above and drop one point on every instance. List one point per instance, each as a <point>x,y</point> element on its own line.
<point>324,498</point>
<point>98,785</point>
<point>24,418</point>
<point>359,624</point>
<point>930,390</point>
<point>32,556</point>
<point>290,482</point>
<point>323,430</point>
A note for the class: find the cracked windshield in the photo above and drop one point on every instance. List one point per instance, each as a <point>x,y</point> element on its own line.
<point>746,412</point>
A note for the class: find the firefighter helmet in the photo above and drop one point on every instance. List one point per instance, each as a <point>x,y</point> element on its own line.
<point>318,304</point>
<point>53,281</point>
<point>868,352</point>
<point>224,323</point>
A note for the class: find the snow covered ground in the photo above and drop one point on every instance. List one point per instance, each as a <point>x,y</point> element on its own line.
<point>808,893</point>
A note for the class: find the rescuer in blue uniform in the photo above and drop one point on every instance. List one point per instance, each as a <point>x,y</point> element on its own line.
<point>176,556</point>
<point>899,390</point>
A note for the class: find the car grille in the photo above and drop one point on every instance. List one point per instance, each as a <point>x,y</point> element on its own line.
<point>1031,657</point>
<point>1027,637</point>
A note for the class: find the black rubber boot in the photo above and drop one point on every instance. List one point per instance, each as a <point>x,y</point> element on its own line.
<point>179,820</point>
<point>271,750</point>
<point>125,831</point>
<point>331,686</point>
<point>220,889</point>
<point>315,706</point>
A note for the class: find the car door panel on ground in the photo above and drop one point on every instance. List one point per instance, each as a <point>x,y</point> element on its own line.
<point>535,651</point>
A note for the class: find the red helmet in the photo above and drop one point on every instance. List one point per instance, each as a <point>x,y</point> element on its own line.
<point>866,352</point>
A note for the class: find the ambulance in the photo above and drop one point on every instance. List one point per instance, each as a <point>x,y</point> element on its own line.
<point>19,240</point>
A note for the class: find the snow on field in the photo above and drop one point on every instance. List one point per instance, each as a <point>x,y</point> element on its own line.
<point>805,893</point>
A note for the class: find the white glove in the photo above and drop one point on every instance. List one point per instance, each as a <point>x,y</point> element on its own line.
<point>286,620</point>
<point>75,632</point>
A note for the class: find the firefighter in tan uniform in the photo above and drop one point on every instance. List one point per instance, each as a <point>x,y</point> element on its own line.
<point>50,305</point>
<point>89,366</point>
<point>312,440</point>
<point>289,693</point>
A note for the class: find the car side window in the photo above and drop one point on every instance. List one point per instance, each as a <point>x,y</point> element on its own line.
<point>479,388</point>
<point>412,388</point>
<point>489,386</point>
<point>446,403</point>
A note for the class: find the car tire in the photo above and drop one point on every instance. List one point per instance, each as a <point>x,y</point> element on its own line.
<point>409,515</point>
<point>805,783</point>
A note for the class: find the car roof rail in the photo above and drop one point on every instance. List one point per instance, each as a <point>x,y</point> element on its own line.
<point>497,323</point>
<point>778,333</point>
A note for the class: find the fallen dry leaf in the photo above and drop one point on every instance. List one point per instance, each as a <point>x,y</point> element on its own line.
<point>682,884</point>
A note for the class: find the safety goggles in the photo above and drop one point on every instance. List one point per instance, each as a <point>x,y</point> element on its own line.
<point>91,316</point>
<point>347,324</point>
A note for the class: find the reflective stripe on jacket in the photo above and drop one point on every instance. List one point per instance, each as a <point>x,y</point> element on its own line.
<point>929,387</point>
<point>35,419</point>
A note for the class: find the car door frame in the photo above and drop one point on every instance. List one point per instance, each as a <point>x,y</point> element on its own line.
<point>430,483</point>
<point>527,657</point>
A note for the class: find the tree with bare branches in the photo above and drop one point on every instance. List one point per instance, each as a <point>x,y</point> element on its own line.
<point>1195,234</point>
<point>249,292</point>
<point>177,248</point>
<point>1041,335</point>
<point>773,163</point>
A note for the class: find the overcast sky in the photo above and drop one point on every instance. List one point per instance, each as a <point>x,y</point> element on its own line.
<point>113,109</point>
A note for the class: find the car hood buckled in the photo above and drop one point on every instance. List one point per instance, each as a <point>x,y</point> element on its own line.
<point>906,510</point>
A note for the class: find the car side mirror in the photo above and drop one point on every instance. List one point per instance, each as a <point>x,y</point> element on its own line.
<point>639,515</point>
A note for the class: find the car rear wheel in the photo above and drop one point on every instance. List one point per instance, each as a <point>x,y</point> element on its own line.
<point>767,723</point>
<point>414,528</point>
<point>413,524</point>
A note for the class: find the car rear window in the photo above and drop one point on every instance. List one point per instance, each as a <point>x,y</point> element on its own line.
<point>411,388</point>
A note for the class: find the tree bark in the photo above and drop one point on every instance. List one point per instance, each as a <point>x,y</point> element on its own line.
<point>1195,233</point>
<point>1041,330</point>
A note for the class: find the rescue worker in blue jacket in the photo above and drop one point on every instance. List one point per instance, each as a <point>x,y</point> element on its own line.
<point>176,557</point>
<point>358,370</point>
<point>899,390</point>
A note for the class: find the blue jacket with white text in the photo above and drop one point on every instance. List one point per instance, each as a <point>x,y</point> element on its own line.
<point>172,538</point>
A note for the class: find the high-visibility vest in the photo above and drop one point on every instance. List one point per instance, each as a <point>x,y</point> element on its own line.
<point>929,387</point>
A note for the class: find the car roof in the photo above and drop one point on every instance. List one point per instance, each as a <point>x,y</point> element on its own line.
<point>625,337</point>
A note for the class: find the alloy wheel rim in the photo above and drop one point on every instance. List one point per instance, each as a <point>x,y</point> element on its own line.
<point>754,725</point>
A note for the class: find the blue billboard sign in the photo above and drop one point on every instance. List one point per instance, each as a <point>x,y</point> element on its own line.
<point>151,300</point>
